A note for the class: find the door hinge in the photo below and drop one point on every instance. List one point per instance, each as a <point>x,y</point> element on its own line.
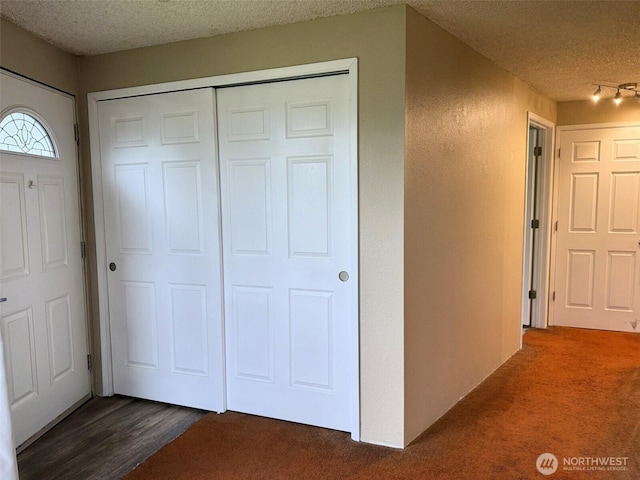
<point>537,151</point>
<point>553,296</point>
<point>555,226</point>
<point>83,250</point>
<point>535,223</point>
<point>532,294</point>
<point>76,133</point>
<point>89,362</point>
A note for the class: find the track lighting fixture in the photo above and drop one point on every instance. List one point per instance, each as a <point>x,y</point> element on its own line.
<point>620,89</point>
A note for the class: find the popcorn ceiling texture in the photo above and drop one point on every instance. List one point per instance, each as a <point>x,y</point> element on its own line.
<point>558,47</point>
<point>90,27</point>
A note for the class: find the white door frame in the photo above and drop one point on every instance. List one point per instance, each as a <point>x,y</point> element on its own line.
<point>349,66</point>
<point>559,131</point>
<point>543,257</point>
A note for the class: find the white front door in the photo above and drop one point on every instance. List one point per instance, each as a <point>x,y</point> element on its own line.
<point>43,323</point>
<point>597,269</point>
<point>160,189</point>
<point>287,198</point>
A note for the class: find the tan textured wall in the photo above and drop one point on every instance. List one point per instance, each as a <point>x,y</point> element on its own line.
<point>605,111</point>
<point>377,38</point>
<point>466,124</point>
<point>23,53</point>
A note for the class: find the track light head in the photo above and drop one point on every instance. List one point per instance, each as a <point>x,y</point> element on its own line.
<point>596,94</point>
<point>618,98</point>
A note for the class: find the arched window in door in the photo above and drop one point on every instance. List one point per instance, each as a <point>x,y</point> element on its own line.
<point>22,133</point>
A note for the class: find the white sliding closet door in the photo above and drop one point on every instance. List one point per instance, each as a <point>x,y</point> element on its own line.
<point>160,189</point>
<point>287,198</point>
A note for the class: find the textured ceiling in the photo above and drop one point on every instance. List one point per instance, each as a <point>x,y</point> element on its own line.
<point>559,47</point>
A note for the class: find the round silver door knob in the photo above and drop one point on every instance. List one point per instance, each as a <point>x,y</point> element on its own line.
<point>343,276</point>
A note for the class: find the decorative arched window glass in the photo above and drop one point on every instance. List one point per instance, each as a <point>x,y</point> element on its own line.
<point>22,133</point>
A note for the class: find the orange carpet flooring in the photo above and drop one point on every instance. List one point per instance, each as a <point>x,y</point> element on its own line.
<point>570,392</point>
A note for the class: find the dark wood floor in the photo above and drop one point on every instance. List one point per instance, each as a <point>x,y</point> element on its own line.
<point>104,439</point>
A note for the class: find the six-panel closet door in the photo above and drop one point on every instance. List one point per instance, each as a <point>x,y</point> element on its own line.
<point>286,216</point>
<point>160,184</point>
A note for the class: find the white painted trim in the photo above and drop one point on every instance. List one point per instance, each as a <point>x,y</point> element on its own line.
<point>594,126</point>
<point>547,178</point>
<point>284,73</point>
<point>349,65</point>
<point>545,202</point>
<point>101,250</point>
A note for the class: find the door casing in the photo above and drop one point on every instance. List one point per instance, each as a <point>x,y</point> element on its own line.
<point>543,247</point>
<point>349,66</point>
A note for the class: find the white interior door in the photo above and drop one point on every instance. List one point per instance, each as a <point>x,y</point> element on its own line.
<point>287,198</point>
<point>598,238</point>
<point>43,320</point>
<point>160,189</point>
